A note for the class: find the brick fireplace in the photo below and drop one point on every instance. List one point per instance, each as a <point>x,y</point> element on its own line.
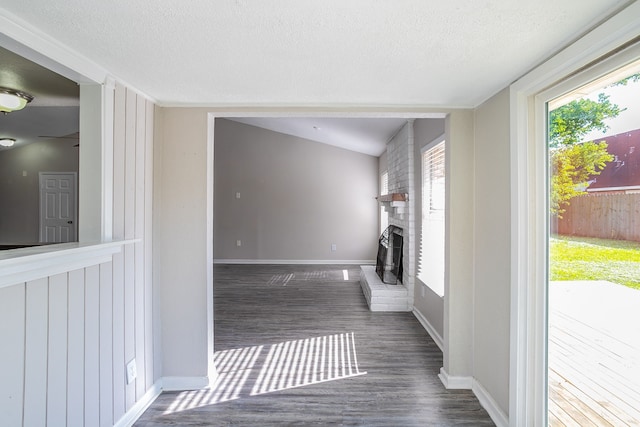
<point>399,205</point>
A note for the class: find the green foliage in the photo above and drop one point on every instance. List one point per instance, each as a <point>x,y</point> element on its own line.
<point>569,123</point>
<point>574,162</point>
<point>634,78</point>
<point>571,168</point>
<point>579,258</point>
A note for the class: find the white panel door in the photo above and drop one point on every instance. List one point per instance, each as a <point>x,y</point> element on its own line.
<point>58,194</point>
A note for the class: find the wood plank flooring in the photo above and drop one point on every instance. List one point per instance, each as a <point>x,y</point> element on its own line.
<point>297,345</point>
<point>594,365</point>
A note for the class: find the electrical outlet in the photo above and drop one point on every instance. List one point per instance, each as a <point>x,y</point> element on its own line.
<point>238,243</point>
<point>132,372</point>
<point>334,247</point>
<point>237,195</point>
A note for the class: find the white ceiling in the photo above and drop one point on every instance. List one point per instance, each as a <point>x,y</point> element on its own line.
<point>295,53</point>
<point>364,135</point>
<point>313,53</point>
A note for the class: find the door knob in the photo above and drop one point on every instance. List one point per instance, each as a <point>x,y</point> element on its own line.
<point>69,222</point>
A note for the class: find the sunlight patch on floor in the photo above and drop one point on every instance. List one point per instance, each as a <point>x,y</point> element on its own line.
<point>245,372</point>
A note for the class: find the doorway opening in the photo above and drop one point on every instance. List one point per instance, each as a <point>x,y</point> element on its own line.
<point>594,253</point>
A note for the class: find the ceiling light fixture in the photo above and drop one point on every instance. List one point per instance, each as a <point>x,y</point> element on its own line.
<point>13,100</point>
<point>7,142</point>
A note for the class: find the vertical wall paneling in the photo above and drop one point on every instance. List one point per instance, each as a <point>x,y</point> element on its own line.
<point>12,330</point>
<point>129,233</point>
<point>35,369</point>
<point>130,165</point>
<point>118,337</point>
<point>57,351</point>
<point>129,320</point>
<point>141,129</point>
<point>65,340</point>
<point>118,161</point>
<point>75,358</point>
<point>148,254</point>
<point>92,346</point>
<point>106,345</point>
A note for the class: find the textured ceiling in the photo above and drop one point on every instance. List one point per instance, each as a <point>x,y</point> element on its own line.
<point>364,135</point>
<point>314,53</point>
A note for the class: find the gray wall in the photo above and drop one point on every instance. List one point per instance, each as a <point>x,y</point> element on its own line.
<point>427,302</point>
<point>19,194</point>
<point>492,249</point>
<point>297,198</point>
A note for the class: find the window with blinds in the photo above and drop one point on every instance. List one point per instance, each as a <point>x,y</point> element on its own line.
<point>431,257</point>
<point>433,181</point>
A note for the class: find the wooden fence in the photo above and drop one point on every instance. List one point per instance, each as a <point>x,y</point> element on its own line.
<point>607,216</point>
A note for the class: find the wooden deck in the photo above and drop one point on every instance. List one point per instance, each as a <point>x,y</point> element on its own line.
<point>297,345</point>
<point>594,355</point>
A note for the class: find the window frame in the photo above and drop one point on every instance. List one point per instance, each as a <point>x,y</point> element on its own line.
<point>440,291</point>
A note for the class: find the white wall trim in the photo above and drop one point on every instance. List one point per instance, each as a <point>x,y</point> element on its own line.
<point>296,261</point>
<point>18,35</point>
<point>108,105</point>
<point>30,42</point>
<point>430,329</point>
<point>497,415</point>
<point>184,383</point>
<point>211,368</point>
<point>23,265</point>
<point>455,383</point>
<point>136,411</point>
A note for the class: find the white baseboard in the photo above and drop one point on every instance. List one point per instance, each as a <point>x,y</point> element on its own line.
<point>430,329</point>
<point>451,382</point>
<point>184,383</point>
<point>296,261</point>
<point>132,415</point>
<point>497,415</point>
<point>163,384</point>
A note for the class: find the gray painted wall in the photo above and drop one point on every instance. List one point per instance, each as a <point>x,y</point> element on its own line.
<point>492,249</point>
<point>427,302</point>
<point>297,198</point>
<point>19,194</point>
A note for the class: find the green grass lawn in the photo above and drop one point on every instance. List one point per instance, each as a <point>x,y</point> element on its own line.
<point>583,258</point>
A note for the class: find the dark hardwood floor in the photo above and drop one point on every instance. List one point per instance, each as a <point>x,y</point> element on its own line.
<point>297,345</point>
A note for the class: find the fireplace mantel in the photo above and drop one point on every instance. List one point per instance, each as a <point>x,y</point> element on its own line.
<point>394,202</point>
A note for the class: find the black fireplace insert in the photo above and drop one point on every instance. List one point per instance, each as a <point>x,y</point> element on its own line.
<point>389,259</point>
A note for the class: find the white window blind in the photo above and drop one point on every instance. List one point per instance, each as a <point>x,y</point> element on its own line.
<point>433,180</point>
<point>431,257</point>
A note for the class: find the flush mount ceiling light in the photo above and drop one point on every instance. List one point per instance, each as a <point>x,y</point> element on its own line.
<point>13,100</point>
<point>7,142</point>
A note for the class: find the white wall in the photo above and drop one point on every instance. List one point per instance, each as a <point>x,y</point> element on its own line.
<point>297,198</point>
<point>458,299</point>
<point>492,249</point>
<point>66,337</point>
<point>180,245</point>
